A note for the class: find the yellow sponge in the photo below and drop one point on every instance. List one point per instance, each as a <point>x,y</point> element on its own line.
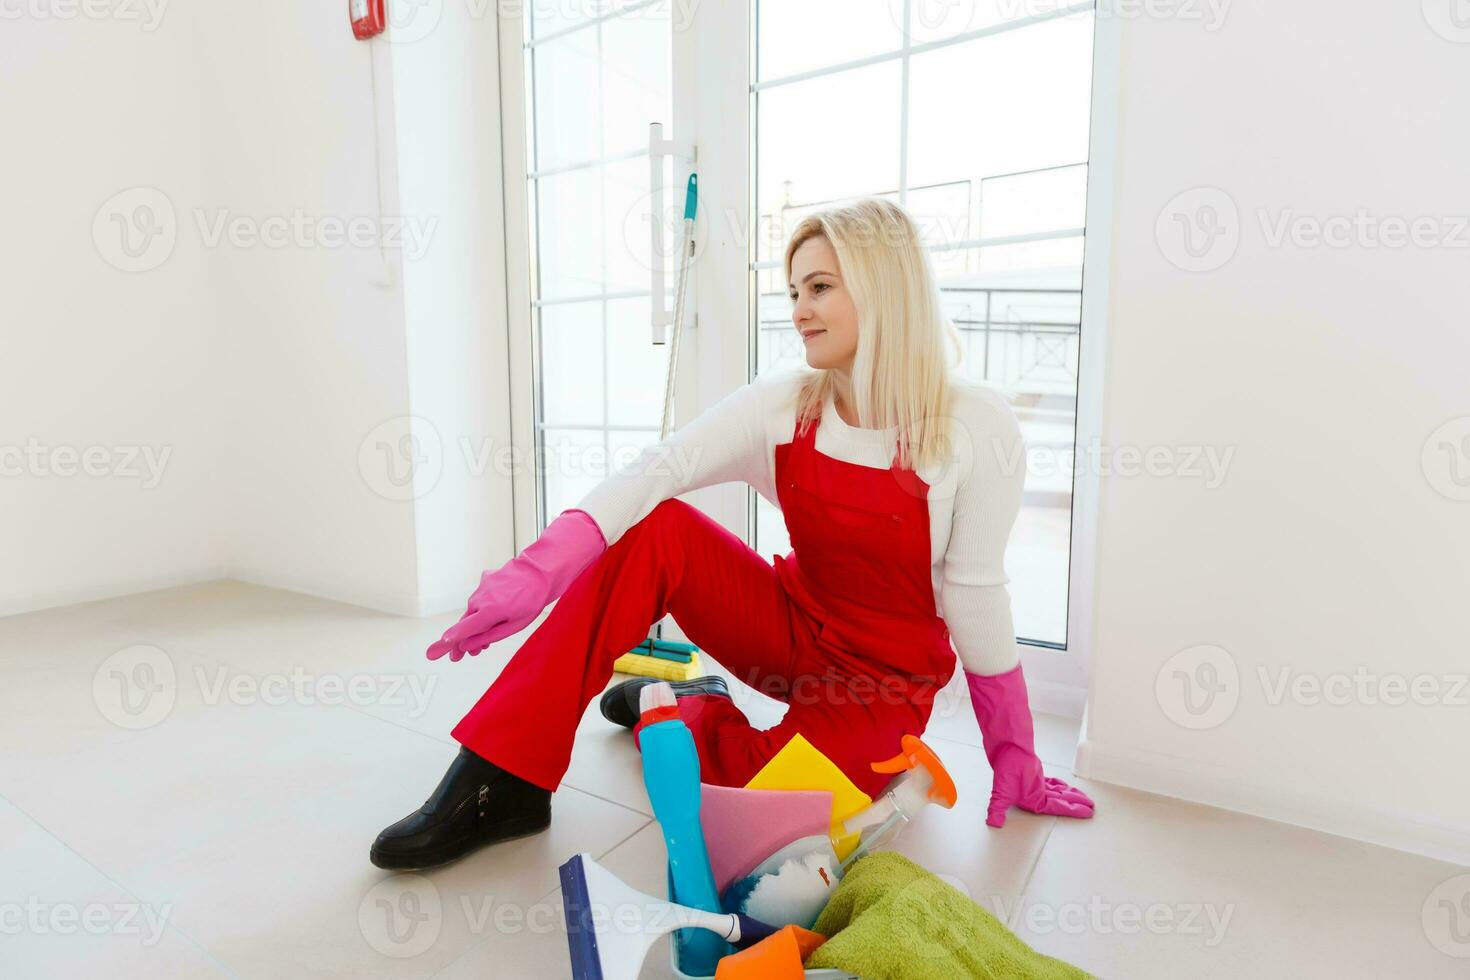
<point>665,670</point>
<point>800,766</point>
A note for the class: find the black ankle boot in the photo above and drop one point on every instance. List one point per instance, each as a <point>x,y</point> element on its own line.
<point>476,803</point>
<point>619,703</point>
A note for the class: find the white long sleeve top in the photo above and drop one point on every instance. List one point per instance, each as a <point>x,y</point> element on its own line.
<point>973,497</point>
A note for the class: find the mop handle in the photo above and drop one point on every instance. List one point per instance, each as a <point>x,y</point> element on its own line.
<point>691,199</point>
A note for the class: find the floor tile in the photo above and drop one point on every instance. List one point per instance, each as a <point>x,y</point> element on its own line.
<point>1153,887</point>
<point>63,917</point>
<point>223,755</point>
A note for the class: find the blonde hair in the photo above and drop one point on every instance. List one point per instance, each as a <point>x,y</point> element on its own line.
<point>900,374</point>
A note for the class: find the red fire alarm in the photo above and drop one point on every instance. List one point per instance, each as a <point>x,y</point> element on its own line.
<point>367,18</point>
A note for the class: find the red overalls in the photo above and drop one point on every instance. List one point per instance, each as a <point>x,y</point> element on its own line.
<point>843,628</point>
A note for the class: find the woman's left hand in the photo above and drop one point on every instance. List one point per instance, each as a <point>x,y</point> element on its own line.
<point>1019,781</point>
<point>1004,714</point>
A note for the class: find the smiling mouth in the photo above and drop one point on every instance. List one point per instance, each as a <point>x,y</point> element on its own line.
<point>810,334</point>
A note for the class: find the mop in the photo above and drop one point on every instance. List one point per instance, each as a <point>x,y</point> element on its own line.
<point>670,660</point>
<point>611,926</point>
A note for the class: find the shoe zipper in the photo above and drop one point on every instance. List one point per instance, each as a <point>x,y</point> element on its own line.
<point>481,800</point>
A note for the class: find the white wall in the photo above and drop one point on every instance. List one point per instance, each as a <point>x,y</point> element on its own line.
<point>1326,370</point>
<point>278,375</point>
<point>446,114</point>
<point>314,347</point>
<point>92,357</point>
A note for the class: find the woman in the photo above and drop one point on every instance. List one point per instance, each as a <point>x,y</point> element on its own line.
<point>899,483</point>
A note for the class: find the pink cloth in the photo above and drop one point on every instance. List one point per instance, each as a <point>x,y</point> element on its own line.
<point>743,827</point>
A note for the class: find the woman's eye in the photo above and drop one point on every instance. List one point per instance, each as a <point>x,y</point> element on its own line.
<point>819,286</point>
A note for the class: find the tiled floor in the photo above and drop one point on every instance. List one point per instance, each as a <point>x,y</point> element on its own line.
<point>190,779</point>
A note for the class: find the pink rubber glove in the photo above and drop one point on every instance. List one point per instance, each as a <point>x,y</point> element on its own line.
<point>514,594</point>
<point>1004,714</point>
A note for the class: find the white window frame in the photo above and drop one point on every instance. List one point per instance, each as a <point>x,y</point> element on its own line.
<point>712,104</point>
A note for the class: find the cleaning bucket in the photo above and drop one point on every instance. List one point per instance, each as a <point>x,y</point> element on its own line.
<point>674,954</point>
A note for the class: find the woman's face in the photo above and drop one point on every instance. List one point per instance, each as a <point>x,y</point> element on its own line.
<point>822,308</point>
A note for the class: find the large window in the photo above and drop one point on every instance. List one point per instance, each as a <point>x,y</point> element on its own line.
<point>594,82</point>
<point>974,116</point>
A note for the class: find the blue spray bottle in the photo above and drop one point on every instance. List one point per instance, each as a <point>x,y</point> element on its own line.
<point>671,773</point>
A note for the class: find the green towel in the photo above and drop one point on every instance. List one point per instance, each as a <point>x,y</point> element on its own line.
<point>889,919</point>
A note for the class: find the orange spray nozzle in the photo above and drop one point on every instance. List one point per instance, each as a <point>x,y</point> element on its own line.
<point>917,755</point>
